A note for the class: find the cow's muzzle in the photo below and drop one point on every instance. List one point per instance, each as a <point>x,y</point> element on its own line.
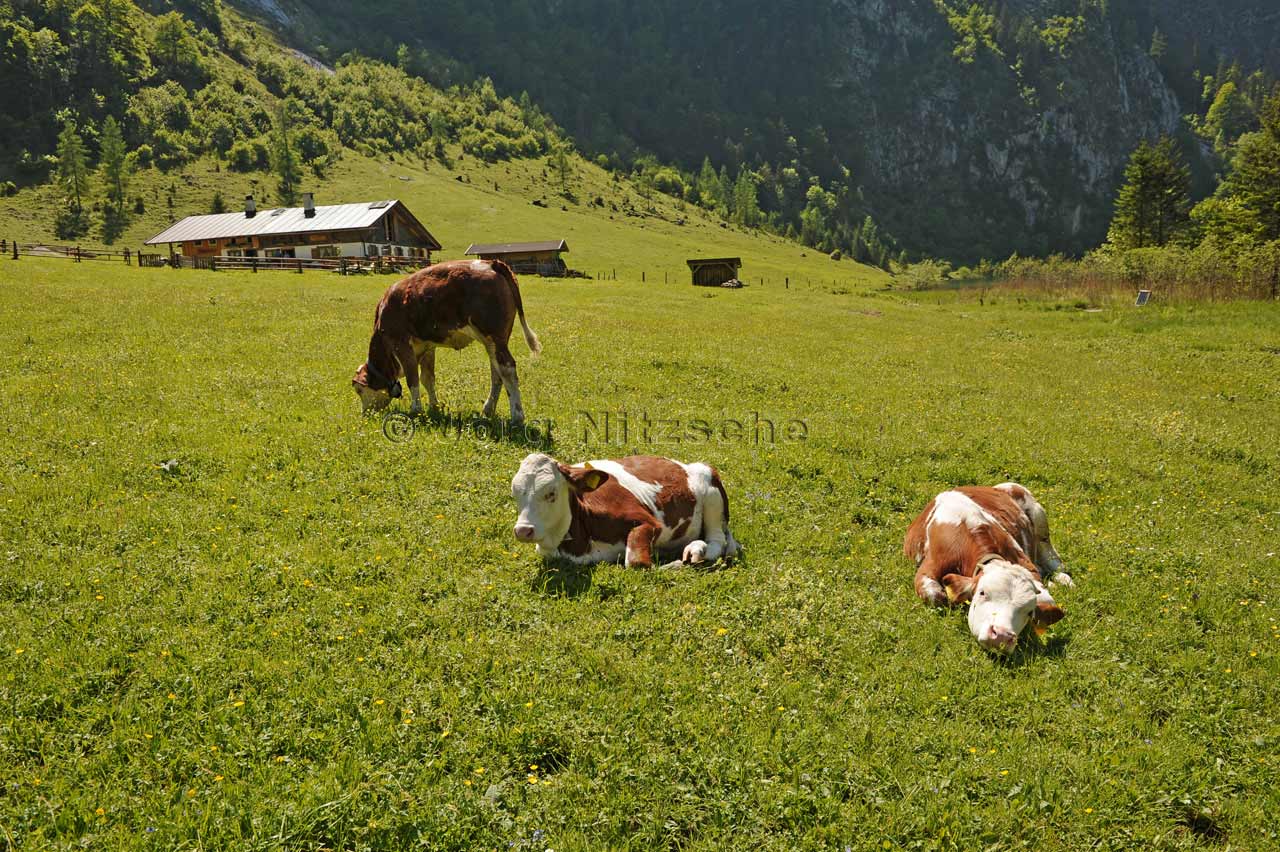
<point>999,639</point>
<point>526,532</point>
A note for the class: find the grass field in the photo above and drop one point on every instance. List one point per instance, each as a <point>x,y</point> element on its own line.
<point>300,635</point>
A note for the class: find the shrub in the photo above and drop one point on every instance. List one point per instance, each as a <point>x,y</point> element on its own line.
<point>247,156</point>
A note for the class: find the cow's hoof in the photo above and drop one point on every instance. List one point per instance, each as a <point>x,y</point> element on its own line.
<point>694,552</point>
<point>1062,578</point>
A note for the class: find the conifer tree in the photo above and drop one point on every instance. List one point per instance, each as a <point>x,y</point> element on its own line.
<point>284,159</point>
<point>1152,207</point>
<point>73,168</point>
<point>73,174</point>
<point>1254,181</point>
<point>114,165</point>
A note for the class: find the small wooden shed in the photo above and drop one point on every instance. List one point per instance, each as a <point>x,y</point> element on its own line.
<point>534,258</point>
<point>714,271</point>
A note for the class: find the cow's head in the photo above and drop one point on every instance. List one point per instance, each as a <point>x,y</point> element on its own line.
<point>543,489</point>
<point>375,389</point>
<point>1003,598</point>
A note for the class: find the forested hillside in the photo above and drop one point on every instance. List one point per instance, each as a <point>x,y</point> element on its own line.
<point>929,128</point>
<point>97,91</point>
<point>964,129</point>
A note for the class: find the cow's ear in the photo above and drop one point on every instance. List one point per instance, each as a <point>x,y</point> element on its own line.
<point>1046,614</point>
<point>582,481</point>
<point>959,588</point>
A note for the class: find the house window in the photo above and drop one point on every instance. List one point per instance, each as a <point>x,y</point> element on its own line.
<point>324,251</point>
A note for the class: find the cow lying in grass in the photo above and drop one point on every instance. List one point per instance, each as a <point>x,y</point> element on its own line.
<point>990,548</point>
<point>634,507</point>
<point>449,304</point>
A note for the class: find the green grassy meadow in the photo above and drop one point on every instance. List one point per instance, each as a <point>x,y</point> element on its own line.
<point>624,234</point>
<point>304,636</point>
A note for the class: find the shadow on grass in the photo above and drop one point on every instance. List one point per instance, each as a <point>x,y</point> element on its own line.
<point>399,427</point>
<point>564,579</point>
<point>1032,648</point>
<point>556,579</point>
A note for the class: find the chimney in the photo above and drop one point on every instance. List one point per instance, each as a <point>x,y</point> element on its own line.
<point>308,205</point>
<point>250,209</point>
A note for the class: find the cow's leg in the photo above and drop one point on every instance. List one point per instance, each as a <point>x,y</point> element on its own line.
<point>427,366</point>
<point>712,544</point>
<point>409,364</point>
<point>506,366</point>
<point>495,387</point>
<point>640,545</point>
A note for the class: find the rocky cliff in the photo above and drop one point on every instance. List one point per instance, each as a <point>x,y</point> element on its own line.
<point>964,129</point>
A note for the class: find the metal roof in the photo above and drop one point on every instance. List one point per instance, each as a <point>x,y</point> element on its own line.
<point>705,261</point>
<point>517,248</point>
<point>282,220</point>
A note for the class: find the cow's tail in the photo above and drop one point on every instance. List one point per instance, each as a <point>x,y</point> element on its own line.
<point>731,547</point>
<point>535,345</point>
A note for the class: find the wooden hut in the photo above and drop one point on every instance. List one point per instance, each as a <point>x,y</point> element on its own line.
<point>714,271</point>
<point>534,258</point>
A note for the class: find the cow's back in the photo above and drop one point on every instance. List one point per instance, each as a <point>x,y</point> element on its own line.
<point>434,302</point>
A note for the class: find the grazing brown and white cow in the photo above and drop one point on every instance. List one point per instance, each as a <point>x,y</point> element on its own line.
<point>449,304</point>
<point>634,507</point>
<point>988,547</point>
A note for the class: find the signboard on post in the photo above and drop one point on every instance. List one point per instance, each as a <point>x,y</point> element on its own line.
<point>1144,296</point>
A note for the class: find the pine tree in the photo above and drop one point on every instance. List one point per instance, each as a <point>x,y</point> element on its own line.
<point>73,169</point>
<point>284,159</point>
<point>114,165</point>
<point>746,206</point>
<point>1254,181</point>
<point>1152,207</point>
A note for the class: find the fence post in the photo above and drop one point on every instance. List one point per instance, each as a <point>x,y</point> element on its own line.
<point>15,249</point>
<point>254,264</point>
<point>299,266</point>
<point>342,266</point>
<point>126,258</point>
<point>641,276</point>
<point>77,254</point>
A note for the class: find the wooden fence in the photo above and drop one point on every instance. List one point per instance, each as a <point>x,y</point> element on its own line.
<point>15,250</point>
<point>340,265</point>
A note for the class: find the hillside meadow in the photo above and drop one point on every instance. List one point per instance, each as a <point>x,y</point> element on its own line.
<point>234,615</point>
<point>612,229</point>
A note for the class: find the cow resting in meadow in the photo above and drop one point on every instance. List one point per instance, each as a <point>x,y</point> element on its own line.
<point>448,304</point>
<point>990,548</point>
<point>632,508</point>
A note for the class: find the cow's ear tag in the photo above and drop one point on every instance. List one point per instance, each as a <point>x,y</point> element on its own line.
<point>593,478</point>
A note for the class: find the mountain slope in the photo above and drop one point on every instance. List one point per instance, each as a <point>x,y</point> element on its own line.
<point>964,129</point>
